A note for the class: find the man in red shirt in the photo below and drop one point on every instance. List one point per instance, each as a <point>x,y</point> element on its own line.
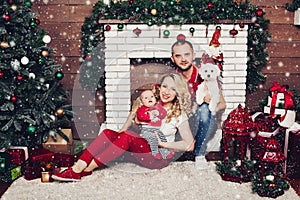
<point>203,124</point>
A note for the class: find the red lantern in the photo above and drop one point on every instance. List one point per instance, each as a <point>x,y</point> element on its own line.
<point>238,127</point>
<point>233,32</point>
<point>259,12</point>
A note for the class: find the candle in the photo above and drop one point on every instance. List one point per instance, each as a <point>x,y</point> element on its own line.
<point>46,177</point>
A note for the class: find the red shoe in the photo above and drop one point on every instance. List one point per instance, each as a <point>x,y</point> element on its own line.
<point>171,154</point>
<point>157,156</point>
<point>84,173</point>
<point>67,175</point>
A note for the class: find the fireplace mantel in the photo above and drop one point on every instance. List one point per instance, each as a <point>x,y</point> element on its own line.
<point>123,45</point>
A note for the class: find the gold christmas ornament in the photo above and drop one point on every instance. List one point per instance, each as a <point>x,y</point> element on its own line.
<point>45,53</point>
<point>59,112</point>
<point>14,7</point>
<point>153,11</point>
<point>4,45</point>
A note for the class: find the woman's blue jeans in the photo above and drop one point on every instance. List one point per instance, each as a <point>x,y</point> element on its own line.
<point>207,127</point>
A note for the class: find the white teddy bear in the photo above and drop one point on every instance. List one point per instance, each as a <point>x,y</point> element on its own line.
<point>209,73</point>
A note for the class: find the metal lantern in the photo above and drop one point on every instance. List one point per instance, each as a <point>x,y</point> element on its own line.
<point>238,127</point>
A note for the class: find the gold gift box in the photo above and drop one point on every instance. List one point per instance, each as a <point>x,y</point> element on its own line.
<point>61,145</point>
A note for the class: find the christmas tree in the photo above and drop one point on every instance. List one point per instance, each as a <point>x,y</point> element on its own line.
<point>33,103</point>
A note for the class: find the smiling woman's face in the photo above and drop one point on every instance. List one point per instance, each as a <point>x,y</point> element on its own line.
<point>167,91</point>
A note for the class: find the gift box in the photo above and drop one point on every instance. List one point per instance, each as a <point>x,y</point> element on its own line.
<point>18,155</point>
<point>292,151</point>
<point>38,156</point>
<point>63,160</point>
<point>11,174</point>
<point>60,145</point>
<point>8,172</point>
<point>31,172</point>
<point>4,162</point>
<point>281,102</point>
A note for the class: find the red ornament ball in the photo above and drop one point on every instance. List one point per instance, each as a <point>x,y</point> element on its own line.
<point>233,32</point>
<point>180,37</point>
<point>37,21</point>
<point>107,27</point>
<point>137,31</point>
<point>6,18</point>
<point>210,4</point>
<point>13,98</point>
<point>259,12</point>
<point>241,25</point>
<point>1,74</point>
<point>19,78</point>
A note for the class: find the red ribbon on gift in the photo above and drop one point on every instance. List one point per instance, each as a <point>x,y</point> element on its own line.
<point>288,97</point>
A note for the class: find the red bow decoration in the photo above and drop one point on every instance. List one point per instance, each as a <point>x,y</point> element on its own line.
<point>288,97</point>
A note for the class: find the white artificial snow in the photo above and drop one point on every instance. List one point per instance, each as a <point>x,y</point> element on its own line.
<point>180,180</point>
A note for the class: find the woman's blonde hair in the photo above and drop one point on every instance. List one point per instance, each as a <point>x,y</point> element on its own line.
<point>182,101</point>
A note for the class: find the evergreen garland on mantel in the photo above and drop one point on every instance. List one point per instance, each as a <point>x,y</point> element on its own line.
<point>174,12</point>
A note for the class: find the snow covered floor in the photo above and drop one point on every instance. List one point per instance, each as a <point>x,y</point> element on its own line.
<point>180,180</point>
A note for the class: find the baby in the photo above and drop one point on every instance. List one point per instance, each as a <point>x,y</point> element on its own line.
<point>152,113</point>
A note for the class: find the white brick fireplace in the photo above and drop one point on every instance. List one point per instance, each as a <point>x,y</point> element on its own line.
<point>123,45</point>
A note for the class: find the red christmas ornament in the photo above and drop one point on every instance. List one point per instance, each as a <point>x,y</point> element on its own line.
<point>210,4</point>
<point>88,57</point>
<point>233,32</point>
<point>37,21</point>
<point>13,98</point>
<point>137,31</point>
<point>259,12</point>
<point>107,27</point>
<point>6,17</point>
<point>180,37</point>
<point>131,1</point>
<point>241,25</point>
<point>19,78</point>
<point>1,74</point>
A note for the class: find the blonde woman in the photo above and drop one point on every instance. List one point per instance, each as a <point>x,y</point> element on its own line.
<point>109,145</point>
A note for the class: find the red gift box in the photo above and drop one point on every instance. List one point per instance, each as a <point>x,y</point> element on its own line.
<point>17,156</point>
<point>38,156</point>
<point>293,156</point>
<point>63,160</point>
<point>31,172</point>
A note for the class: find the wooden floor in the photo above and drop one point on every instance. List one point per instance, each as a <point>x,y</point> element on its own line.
<point>212,156</point>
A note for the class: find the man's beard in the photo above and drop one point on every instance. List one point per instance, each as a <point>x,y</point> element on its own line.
<point>183,70</point>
